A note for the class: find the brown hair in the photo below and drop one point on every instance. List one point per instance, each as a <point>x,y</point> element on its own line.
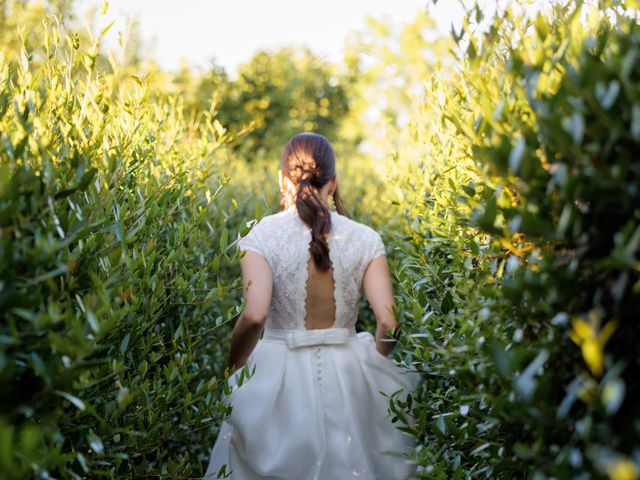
<point>309,156</point>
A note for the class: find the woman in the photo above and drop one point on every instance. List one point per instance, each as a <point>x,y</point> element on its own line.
<point>314,407</point>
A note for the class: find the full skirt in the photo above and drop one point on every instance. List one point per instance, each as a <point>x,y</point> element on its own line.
<point>318,412</point>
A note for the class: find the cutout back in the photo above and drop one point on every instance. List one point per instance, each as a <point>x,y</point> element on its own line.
<point>320,305</point>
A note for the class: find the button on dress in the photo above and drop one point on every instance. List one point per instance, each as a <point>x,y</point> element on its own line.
<point>315,408</point>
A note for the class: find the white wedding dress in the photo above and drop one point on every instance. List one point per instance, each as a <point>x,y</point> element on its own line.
<point>314,408</point>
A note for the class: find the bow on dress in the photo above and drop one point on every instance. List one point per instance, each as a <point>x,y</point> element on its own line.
<point>320,336</point>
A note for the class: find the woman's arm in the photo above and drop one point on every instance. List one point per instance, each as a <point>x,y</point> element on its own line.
<point>257,281</point>
<point>379,292</point>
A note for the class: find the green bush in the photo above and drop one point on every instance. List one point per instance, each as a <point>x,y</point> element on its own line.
<point>518,257</point>
<point>115,270</point>
<point>510,213</point>
<point>278,94</point>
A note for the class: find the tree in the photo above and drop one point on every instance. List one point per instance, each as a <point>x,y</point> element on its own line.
<point>278,94</point>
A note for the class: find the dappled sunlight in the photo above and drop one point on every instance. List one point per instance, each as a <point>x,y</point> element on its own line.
<point>497,159</point>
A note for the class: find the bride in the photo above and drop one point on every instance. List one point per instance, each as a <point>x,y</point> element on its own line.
<point>315,406</point>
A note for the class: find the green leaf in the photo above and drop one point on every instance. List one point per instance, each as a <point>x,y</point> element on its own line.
<point>73,399</point>
<point>105,29</point>
<point>83,462</point>
<point>574,126</point>
<point>224,239</point>
<point>470,189</point>
<point>447,303</point>
<point>93,321</point>
<point>125,343</point>
<point>258,211</point>
<point>517,152</point>
<point>94,442</point>
<point>118,231</point>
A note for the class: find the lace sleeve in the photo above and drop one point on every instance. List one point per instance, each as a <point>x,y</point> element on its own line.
<point>374,248</point>
<point>253,240</point>
<point>377,248</point>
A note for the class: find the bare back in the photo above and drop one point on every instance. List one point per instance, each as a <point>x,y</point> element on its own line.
<point>320,305</point>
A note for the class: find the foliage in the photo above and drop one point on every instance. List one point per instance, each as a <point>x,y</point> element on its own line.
<point>385,66</point>
<point>518,259</point>
<point>504,182</point>
<point>115,270</point>
<point>276,95</point>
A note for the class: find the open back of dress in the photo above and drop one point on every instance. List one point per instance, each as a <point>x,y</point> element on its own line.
<point>320,305</point>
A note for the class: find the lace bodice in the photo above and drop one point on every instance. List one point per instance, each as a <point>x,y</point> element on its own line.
<point>283,239</point>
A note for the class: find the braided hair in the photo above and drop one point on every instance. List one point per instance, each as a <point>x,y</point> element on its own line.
<point>309,162</point>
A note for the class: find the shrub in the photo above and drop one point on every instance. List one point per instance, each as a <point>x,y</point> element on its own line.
<point>114,270</point>
<point>518,257</point>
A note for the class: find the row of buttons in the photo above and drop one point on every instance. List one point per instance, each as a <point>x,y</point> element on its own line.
<point>319,356</point>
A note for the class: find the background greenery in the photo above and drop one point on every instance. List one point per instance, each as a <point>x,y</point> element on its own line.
<point>500,166</point>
